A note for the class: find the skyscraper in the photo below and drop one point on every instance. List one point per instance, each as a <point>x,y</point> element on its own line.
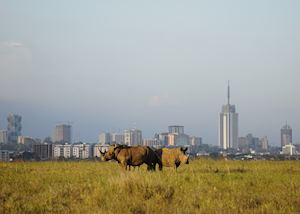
<point>104,138</point>
<point>14,127</point>
<point>62,133</point>
<point>3,136</point>
<point>286,135</point>
<point>133,137</point>
<point>176,129</point>
<point>228,125</point>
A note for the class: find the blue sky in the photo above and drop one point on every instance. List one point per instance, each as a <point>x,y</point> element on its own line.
<point>112,65</point>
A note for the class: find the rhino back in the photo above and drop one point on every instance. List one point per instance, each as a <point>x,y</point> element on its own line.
<point>134,156</point>
<point>169,157</point>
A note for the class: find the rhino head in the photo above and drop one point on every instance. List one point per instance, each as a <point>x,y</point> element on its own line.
<point>183,157</point>
<point>109,154</point>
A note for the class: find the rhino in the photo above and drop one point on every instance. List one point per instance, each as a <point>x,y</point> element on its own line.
<point>128,156</point>
<point>173,157</point>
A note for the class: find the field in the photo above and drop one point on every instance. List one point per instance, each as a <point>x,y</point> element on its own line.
<point>203,186</point>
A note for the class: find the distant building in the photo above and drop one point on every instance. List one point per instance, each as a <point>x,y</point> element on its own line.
<point>176,129</point>
<point>243,144</point>
<point>62,133</point>
<point>61,151</point>
<point>14,127</point>
<point>3,136</point>
<point>163,138</point>
<point>289,149</point>
<point>264,143</point>
<point>251,143</point>
<point>286,135</point>
<point>81,151</point>
<point>195,144</point>
<point>99,147</point>
<point>4,155</point>
<point>228,125</point>
<point>182,140</point>
<point>117,138</point>
<point>26,140</point>
<point>133,137</point>
<point>152,142</point>
<point>175,139</point>
<point>195,141</point>
<point>104,138</point>
<point>43,150</point>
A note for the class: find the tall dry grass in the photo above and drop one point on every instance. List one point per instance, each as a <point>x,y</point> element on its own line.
<point>203,186</point>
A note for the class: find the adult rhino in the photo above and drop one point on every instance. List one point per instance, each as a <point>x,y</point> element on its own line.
<point>173,157</point>
<point>132,156</point>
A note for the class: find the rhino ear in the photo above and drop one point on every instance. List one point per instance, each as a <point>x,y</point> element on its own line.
<point>183,149</point>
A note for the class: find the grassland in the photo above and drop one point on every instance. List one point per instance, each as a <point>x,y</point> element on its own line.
<point>203,186</point>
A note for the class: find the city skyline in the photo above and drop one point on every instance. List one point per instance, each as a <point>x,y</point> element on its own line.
<point>63,134</point>
<point>108,66</point>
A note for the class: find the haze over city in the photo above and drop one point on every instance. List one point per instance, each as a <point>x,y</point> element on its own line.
<point>108,66</point>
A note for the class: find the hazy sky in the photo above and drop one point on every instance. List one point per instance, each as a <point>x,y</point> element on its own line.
<point>112,65</point>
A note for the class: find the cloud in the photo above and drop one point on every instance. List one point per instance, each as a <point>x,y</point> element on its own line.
<point>155,101</point>
<point>162,100</point>
<point>11,44</point>
<point>14,53</point>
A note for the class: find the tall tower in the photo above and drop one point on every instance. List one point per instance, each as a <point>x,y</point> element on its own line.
<point>228,125</point>
<point>286,135</point>
<point>62,133</point>
<point>14,127</point>
<point>133,137</point>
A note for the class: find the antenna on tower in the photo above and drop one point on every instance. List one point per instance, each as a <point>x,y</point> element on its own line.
<point>228,93</point>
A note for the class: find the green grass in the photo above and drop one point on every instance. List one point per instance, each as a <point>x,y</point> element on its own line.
<point>203,186</point>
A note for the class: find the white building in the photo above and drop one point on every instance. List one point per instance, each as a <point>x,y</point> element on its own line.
<point>133,137</point>
<point>3,136</point>
<point>61,150</point>
<point>81,150</point>
<point>62,133</point>
<point>99,147</point>
<point>228,126</point>
<point>289,149</point>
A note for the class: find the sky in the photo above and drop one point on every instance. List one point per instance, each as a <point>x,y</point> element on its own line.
<point>113,65</point>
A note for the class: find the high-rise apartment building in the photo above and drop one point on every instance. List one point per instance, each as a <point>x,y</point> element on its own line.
<point>43,150</point>
<point>163,138</point>
<point>133,137</point>
<point>104,138</point>
<point>14,127</point>
<point>117,138</point>
<point>286,135</point>
<point>3,136</point>
<point>228,125</point>
<point>62,133</point>
<point>264,143</point>
<point>176,129</point>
